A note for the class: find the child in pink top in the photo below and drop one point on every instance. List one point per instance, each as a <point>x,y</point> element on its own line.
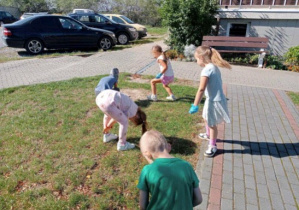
<point>118,107</point>
<point>166,75</point>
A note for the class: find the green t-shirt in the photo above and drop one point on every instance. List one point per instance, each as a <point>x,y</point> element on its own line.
<point>170,182</point>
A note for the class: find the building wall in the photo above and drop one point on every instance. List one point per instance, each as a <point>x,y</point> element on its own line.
<point>12,10</point>
<point>282,34</point>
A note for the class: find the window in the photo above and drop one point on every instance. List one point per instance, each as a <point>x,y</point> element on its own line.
<point>8,14</point>
<point>97,19</point>
<point>84,18</point>
<point>69,24</point>
<point>236,29</point>
<point>127,19</point>
<point>291,2</point>
<point>118,20</point>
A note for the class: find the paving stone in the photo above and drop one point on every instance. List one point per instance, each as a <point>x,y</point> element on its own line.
<point>250,182</point>
<point>239,201</point>
<point>227,191</point>
<point>227,177</point>
<point>226,204</point>
<point>287,197</point>
<point>238,173</point>
<point>248,169</point>
<point>251,207</point>
<point>265,204</point>
<point>251,197</point>
<point>276,201</point>
<point>239,186</point>
<point>262,190</point>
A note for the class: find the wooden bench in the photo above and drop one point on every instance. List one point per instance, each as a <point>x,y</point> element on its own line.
<point>229,44</point>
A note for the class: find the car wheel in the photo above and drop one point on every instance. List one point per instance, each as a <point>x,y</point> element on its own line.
<point>34,46</point>
<point>123,38</point>
<point>105,43</point>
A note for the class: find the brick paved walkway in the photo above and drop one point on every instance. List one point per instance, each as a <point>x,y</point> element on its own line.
<point>257,164</point>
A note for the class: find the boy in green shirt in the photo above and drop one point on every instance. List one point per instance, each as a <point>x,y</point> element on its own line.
<point>171,182</point>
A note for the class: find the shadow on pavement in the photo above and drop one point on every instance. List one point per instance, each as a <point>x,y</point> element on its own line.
<point>277,150</point>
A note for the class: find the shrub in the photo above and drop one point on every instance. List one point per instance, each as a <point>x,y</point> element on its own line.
<point>292,58</point>
<point>275,62</point>
<point>172,54</point>
<point>189,51</point>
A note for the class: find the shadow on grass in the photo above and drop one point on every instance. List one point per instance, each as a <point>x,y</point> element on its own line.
<point>278,150</point>
<point>178,145</point>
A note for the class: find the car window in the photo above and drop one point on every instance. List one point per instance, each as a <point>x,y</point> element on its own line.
<point>1,14</point>
<point>97,19</point>
<point>84,18</point>
<point>8,14</point>
<point>45,22</point>
<point>127,19</point>
<point>69,24</point>
<point>118,20</point>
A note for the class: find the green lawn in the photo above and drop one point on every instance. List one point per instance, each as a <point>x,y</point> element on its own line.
<point>51,150</point>
<point>157,31</point>
<point>295,98</point>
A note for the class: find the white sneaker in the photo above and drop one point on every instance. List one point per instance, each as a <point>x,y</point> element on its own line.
<point>152,97</point>
<point>211,151</point>
<point>203,136</point>
<point>172,98</point>
<point>109,137</point>
<point>127,146</point>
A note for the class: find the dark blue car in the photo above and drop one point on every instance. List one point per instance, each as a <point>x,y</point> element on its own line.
<point>55,32</point>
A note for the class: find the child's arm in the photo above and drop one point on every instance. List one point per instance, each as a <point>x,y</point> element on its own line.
<point>143,199</point>
<point>197,198</point>
<point>202,86</point>
<point>163,63</point>
<point>109,125</point>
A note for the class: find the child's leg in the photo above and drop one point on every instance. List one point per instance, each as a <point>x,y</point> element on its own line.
<point>153,85</point>
<point>122,120</point>
<point>207,129</point>
<point>213,135</point>
<point>168,89</point>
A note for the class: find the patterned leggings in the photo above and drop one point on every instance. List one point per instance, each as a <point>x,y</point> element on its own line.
<point>111,110</point>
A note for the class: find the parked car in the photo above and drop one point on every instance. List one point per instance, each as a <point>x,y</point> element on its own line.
<point>123,33</point>
<point>29,14</point>
<point>142,31</point>
<point>6,17</point>
<point>55,32</point>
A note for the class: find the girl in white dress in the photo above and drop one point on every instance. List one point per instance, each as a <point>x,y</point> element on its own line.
<point>215,108</point>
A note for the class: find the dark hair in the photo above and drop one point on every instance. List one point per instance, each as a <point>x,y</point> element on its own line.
<point>140,119</point>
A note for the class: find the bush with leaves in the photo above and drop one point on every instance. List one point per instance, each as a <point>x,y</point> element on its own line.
<point>275,62</point>
<point>188,21</point>
<point>292,58</point>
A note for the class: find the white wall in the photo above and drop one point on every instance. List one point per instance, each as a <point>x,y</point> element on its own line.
<point>282,34</point>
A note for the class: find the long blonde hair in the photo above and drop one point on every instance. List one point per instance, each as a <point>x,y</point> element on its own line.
<point>211,55</point>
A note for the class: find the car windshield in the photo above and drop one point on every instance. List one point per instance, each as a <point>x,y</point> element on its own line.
<point>127,19</point>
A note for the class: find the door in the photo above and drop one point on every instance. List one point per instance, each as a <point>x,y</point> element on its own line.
<point>76,35</point>
<point>99,21</point>
<point>47,28</point>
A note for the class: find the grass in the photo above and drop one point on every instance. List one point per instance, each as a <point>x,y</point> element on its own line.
<point>51,150</point>
<point>295,98</point>
<point>157,31</point>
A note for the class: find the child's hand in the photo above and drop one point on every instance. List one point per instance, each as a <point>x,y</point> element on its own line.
<point>158,76</point>
<point>193,109</point>
<point>107,129</point>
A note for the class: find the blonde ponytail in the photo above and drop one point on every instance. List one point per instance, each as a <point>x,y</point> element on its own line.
<point>211,55</point>
<point>218,60</point>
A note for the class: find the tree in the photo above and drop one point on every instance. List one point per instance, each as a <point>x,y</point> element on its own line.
<point>27,5</point>
<point>188,21</point>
